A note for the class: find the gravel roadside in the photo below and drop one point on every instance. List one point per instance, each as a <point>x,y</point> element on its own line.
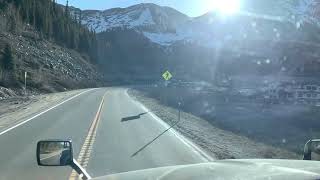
<point>219,143</point>
<point>16,109</point>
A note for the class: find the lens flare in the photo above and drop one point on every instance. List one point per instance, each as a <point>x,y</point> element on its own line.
<point>225,7</point>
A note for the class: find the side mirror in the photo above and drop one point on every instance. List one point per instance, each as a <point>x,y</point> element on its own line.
<point>312,150</point>
<point>54,153</point>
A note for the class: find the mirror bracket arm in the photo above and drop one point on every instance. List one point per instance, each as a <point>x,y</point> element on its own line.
<point>80,170</point>
<point>307,151</point>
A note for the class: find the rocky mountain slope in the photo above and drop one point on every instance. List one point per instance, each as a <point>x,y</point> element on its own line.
<point>50,67</point>
<point>55,60</point>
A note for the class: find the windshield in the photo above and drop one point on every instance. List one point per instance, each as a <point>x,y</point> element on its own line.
<point>148,84</point>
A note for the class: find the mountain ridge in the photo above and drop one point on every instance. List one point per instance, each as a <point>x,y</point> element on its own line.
<point>149,17</point>
<point>211,46</point>
<point>165,26</point>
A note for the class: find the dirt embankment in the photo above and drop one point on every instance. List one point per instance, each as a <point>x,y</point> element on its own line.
<point>221,143</point>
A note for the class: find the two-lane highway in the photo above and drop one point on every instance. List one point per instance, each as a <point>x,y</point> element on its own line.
<point>118,130</point>
<point>125,129</point>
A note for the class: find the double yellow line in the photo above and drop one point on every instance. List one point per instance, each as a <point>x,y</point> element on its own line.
<point>86,149</point>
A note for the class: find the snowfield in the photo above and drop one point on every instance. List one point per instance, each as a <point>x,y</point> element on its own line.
<point>103,21</point>
<point>164,39</point>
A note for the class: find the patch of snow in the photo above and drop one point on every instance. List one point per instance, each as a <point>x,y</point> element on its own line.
<point>144,19</point>
<point>165,39</point>
<point>247,92</point>
<point>298,25</point>
<point>100,21</point>
<point>268,61</point>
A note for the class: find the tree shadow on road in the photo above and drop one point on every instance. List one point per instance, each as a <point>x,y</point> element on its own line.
<point>129,118</point>
<point>154,139</point>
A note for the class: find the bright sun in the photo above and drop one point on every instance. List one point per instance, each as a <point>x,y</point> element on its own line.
<point>225,7</point>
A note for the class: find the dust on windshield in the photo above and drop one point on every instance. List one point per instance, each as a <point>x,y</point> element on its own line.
<point>246,78</point>
<point>238,78</point>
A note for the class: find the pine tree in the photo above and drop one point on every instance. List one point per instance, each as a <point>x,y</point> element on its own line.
<point>8,77</point>
<point>33,7</point>
<point>13,24</point>
<point>7,58</point>
<point>55,23</point>
<point>54,6</point>
<point>67,10</point>
<point>3,5</point>
<point>80,17</point>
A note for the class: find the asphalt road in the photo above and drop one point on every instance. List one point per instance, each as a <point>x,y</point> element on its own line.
<point>123,131</point>
<point>51,158</point>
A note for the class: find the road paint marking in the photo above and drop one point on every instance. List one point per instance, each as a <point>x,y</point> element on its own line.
<point>50,156</point>
<point>204,156</point>
<point>23,122</point>
<point>86,149</point>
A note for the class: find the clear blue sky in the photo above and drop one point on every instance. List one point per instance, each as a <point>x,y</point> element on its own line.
<point>189,7</point>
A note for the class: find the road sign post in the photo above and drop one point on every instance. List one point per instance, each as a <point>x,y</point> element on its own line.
<point>25,83</point>
<point>166,76</point>
<point>179,115</point>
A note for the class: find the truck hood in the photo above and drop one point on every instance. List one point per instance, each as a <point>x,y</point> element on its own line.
<point>228,169</point>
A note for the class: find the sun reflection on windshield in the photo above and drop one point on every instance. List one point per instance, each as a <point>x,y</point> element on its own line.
<point>226,7</point>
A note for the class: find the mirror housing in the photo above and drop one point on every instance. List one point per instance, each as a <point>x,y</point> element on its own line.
<point>59,153</point>
<point>54,153</point>
<point>312,150</point>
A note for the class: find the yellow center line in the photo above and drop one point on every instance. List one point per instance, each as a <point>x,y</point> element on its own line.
<point>86,148</point>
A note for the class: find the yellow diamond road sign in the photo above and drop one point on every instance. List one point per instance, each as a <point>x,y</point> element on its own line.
<point>167,75</point>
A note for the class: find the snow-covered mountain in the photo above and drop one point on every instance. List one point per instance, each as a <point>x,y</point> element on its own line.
<point>166,26</point>
<point>146,39</point>
<point>143,17</point>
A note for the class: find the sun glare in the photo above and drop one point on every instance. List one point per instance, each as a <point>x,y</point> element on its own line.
<point>225,7</point>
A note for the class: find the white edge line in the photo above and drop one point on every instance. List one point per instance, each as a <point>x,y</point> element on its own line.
<point>52,155</point>
<point>183,139</point>
<point>23,122</point>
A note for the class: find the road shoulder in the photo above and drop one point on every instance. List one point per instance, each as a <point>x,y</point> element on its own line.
<point>222,144</point>
<point>15,110</point>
